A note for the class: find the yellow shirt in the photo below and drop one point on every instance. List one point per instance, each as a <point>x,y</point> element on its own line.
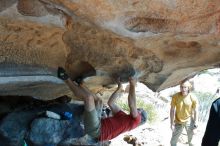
<point>183,106</point>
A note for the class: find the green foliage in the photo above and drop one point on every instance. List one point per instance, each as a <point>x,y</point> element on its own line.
<point>123,105</point>
<point>149,108</point>
<point>205,100</point>
<point>203,97</point>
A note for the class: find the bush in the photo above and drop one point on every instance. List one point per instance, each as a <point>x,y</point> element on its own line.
<point>149,108</point>
<point>205,100</point>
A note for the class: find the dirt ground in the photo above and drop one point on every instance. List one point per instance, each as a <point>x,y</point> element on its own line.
<point>158,134</point>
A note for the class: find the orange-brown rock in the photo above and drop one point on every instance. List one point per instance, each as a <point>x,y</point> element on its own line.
<point>161,42</point>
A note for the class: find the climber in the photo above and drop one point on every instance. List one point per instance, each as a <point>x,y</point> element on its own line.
<point>110,127</point>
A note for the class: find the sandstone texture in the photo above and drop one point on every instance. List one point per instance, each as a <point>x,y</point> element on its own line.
<point>160,42</point>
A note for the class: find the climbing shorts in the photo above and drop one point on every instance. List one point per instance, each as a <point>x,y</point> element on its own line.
<point>92,123</point>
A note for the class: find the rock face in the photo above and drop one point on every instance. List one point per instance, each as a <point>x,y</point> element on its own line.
<point>30,127</point>
<point>161,42</point>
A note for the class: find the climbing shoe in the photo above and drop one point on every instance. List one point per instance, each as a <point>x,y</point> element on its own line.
<point>79,80</point>
<point>61,73</point>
